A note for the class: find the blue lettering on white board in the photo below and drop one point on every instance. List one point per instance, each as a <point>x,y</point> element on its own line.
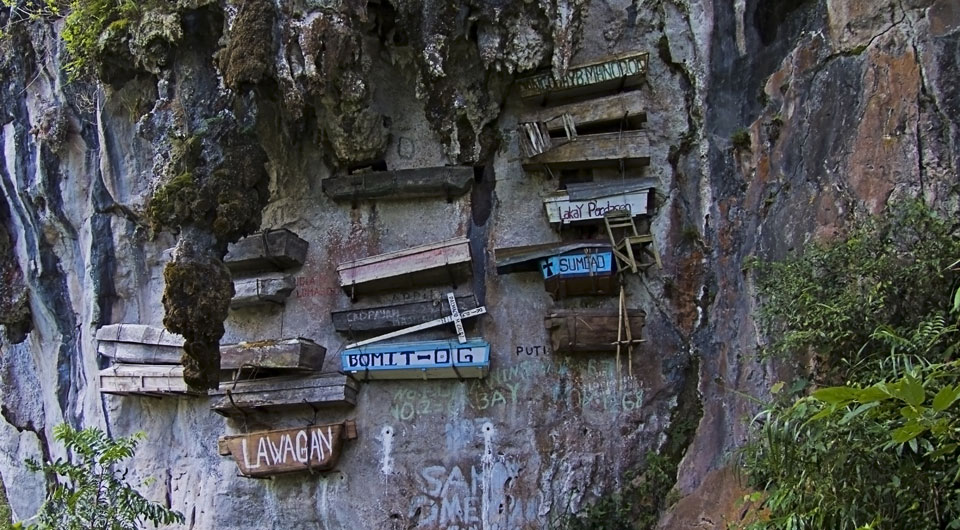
<point>416,355</point>
<point>577,264</point>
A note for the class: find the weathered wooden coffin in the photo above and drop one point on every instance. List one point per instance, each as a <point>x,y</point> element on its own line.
<point>397,316</point>
<point>144,379</point>
<point>585,272</point>
<point>296,354</point>
<point>272,250</point>
<point>590,331</point>
<point>613,73</point>
<point>588,202</point>
<point>447,182</point>
<point>271,393</point>
<point>439,359</point>
<point>443,262</point>
<point>158,346</point>
<point>268,453</point>
<point>625,109</point>
<point>542,129</point>
<point>527,258</point>
<point>139,343</point>
<point>262,290</point>
<point>610,149</point>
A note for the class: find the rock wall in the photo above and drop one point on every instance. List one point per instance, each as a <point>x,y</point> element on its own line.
<point>847,105</point>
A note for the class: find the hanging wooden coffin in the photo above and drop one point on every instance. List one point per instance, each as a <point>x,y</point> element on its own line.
<point>271,393</point>
<point>139,343</point>
<point>268,453</point>
<point>291,354</point>
<point>444,262</point>
<point>249,292</point>
<point>446,182</point>
<point>613,73</point>
<point>618,112</point>
<point>578,273</point>
<point>588,202</point>
<point>144,379</point>
<point>590,331</point>
<point>611,149</point>
<point>273,250</point>
<point>418,360</point>
<point>397,316</point>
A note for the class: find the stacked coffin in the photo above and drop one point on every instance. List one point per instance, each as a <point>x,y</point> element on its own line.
<point>146,362</point>
<point>572,268</point>
<point>446,262</point>
<point>259,263</point>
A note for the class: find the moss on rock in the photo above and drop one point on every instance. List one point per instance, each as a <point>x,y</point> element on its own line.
<point>196,300</point>
<point>248,58</point>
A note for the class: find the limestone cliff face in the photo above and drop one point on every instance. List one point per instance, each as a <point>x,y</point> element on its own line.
<point>848,105</point>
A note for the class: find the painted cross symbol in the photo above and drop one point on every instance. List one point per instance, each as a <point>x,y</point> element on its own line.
<point>547,267</point>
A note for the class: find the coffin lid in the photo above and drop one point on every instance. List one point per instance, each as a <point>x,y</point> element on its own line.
<point>527,258</point>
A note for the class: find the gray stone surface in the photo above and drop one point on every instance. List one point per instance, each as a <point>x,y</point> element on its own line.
<point>848,104</point>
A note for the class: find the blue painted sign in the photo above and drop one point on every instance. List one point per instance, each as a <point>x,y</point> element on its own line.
<point>577,264</point>
<point>418,360</point>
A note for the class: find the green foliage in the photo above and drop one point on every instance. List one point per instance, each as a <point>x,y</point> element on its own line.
<point>881,456</point>
<point>84,25</point>
<point>832,298</point>
<point>880,450</point>
<point>89,494</point>
<point>740,140</point>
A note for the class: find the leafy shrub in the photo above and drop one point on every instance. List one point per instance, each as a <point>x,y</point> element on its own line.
<point>890,271</point>
<point>89,494</point>
<point>880,450</point>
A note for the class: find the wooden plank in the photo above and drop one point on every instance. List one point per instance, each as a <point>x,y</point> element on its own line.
<point>261,290</point>
<point>527,258</point>
<point>446,261</point>
<point>143,379</point>
<point>397,316</point>
<point>322,390</point>
<point>589,331</point>
<point>448,182</point>
<point>281,451</point>
<point>298,354</point>
<point>631,148</point>
<point>272,250</point>
<point>418,360</point>
<point>590,112</point>
<point>561,209</point>
<point>617,71</point>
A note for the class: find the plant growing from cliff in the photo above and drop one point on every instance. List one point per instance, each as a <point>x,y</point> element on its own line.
<point>740,139</point>
<point>89,493</point>
<point>889,271</point>
<point>86,22</point>
<point>880,449</point>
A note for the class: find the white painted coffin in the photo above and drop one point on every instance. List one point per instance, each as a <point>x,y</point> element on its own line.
<point>436,263</point>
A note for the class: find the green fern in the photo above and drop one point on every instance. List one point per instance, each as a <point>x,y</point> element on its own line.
<point>89,493</point>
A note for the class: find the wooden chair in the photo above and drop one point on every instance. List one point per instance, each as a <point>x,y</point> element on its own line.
<point>624,239</point>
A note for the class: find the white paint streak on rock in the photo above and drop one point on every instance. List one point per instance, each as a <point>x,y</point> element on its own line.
<point>386,461</point>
